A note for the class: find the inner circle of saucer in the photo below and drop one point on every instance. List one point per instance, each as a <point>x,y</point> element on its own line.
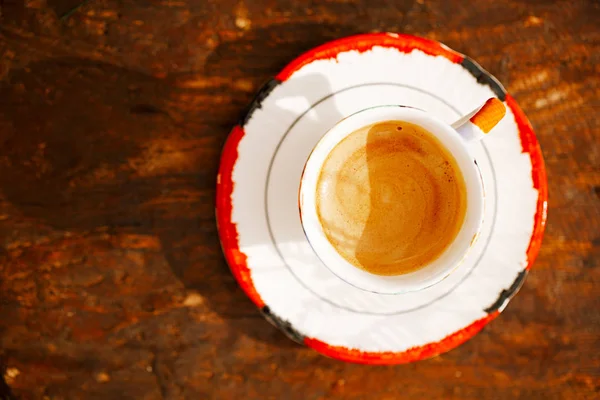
<point>281,191</point>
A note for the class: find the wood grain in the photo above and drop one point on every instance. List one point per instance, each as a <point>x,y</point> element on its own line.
<point>112,118</point>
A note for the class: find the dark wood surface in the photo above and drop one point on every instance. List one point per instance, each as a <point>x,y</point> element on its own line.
<point>112,282</point>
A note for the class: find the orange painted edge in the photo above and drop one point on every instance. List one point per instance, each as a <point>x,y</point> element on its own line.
<point>489,115</point>
<point>362,43</point>
<point>410,355</point>
<point>531,146</point>
<point>228,232</point>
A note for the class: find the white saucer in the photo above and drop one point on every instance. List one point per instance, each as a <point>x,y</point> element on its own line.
<point>257,200</point>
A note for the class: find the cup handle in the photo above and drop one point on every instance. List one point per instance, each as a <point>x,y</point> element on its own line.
<point>479,122</point>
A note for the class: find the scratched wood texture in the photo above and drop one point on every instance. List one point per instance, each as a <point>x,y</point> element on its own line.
<point>112,282</point>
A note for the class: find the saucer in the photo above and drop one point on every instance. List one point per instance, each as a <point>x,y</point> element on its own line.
<point>257,201</point>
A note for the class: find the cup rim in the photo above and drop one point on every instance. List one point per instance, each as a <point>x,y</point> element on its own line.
<point>448,260</point>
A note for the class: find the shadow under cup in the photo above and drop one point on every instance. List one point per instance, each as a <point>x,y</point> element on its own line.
<point>449,259</point>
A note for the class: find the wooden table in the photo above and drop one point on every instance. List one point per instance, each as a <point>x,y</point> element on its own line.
<point>112,282</point>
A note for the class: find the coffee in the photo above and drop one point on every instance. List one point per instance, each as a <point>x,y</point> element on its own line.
<point>390,198</point>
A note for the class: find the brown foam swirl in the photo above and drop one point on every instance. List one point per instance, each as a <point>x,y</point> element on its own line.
<point>390,198</point>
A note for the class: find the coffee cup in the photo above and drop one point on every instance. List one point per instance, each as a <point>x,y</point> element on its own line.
<point>413,205</point>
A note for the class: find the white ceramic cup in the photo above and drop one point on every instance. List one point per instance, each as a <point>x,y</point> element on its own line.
<point>436,270</point>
